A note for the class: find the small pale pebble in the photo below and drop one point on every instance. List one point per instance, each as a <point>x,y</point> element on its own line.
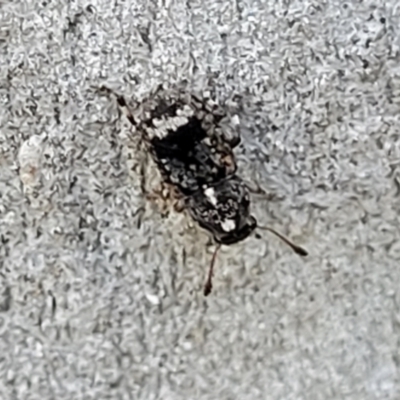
<point>29,159</point>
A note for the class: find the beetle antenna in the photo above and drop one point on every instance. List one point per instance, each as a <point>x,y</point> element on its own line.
<point>297,249</point>
<point>208,285</point>
<point>121,104</point>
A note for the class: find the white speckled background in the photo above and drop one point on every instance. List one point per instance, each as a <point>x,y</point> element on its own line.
<point>96,305</point>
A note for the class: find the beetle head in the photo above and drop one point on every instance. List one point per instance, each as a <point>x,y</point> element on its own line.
<point>223,210</point>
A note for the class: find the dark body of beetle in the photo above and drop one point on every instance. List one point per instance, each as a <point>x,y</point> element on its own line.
<point>191,142</point>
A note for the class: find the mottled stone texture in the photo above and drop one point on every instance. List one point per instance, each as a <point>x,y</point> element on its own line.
<point>101,294</point>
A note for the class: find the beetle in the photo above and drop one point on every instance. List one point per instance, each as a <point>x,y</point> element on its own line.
<point>191,140</point>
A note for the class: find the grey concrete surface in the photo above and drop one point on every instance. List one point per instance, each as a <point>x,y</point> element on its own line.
<point>101,294</point>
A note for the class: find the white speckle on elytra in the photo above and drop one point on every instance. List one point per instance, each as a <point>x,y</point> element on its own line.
<point>210,194</point>
<point>186,111</point>
<point>180,121</point>
<point>228,225</point>
<point>158,122</point>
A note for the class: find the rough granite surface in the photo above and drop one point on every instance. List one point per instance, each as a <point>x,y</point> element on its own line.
<point>101,294</point>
